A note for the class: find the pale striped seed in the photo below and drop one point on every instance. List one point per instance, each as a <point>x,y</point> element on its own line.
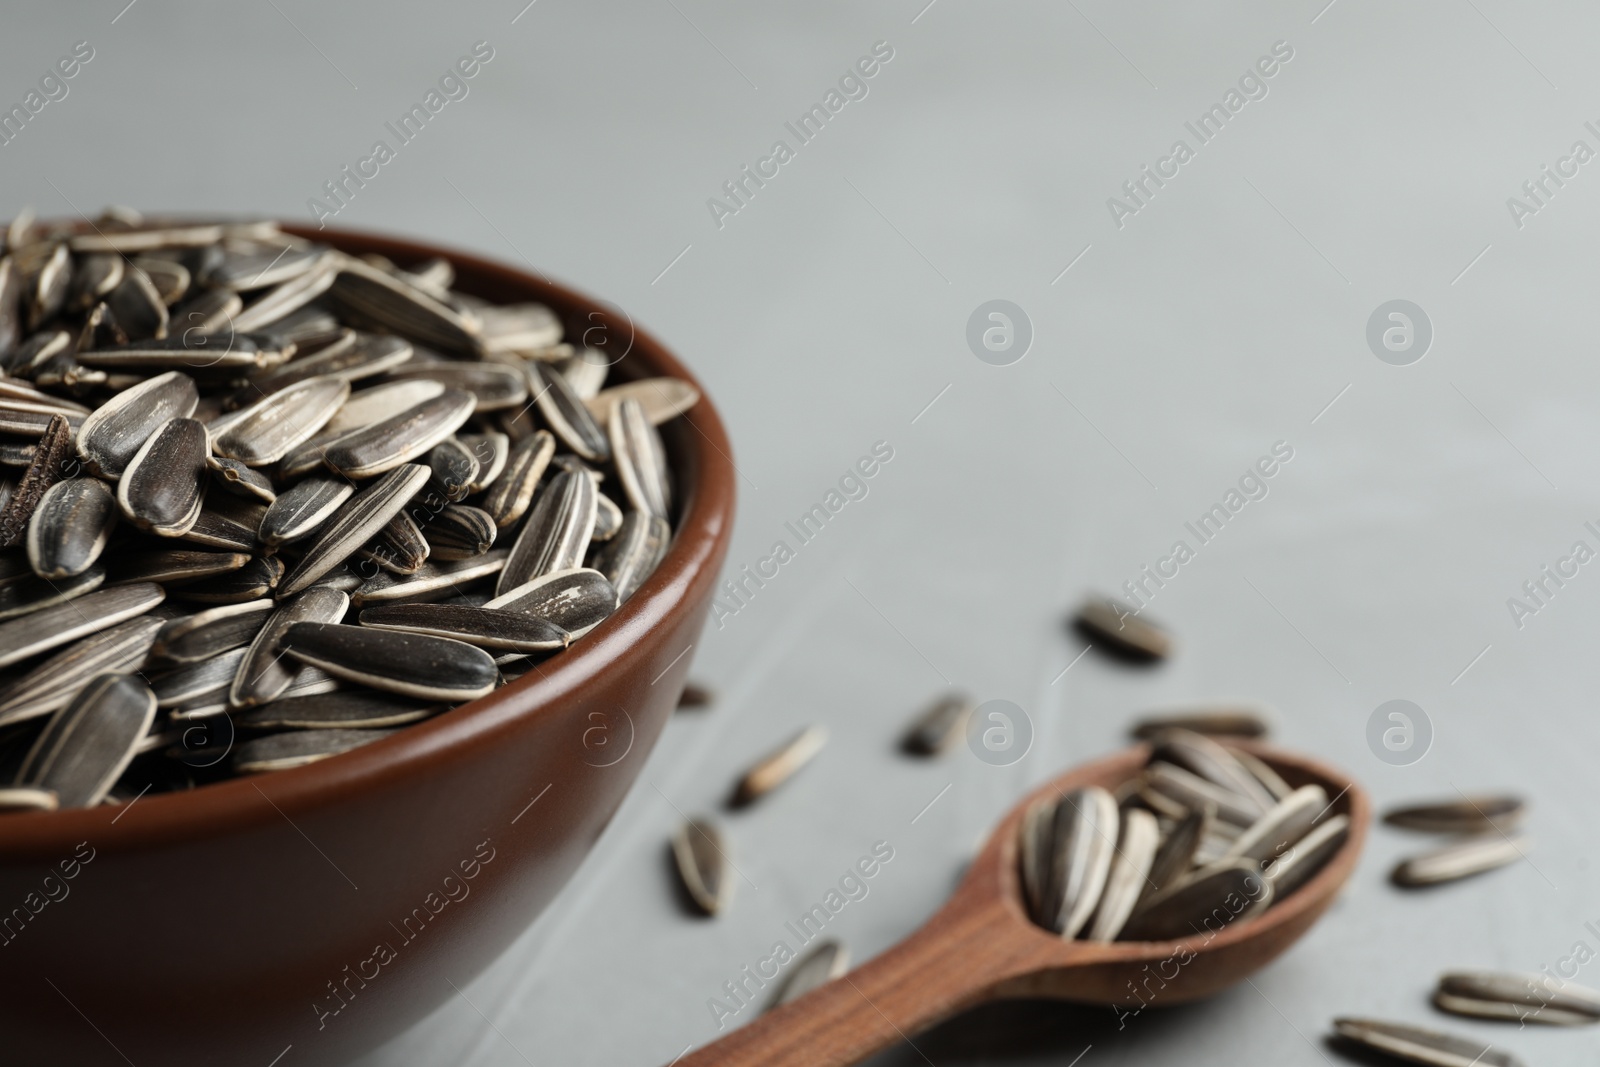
<point>703,865</point>
<point>1202,904</point>
<point>817,968</point>
<point>1122,629</point>
<point>162,489</point>
<point>1419,1045</point>
<point>88,743</point>
<point>460,532</point>
<point>557,531</point>
<point>264,432</point>
<point>1194,792</point>
<point>586,373</point>
<point>936,729</point>
<point>1212,762</point>
<point>1285,823</point>
<point>176,566</point>
<point>577,599</point>
<point>413,665</point>
<point>112,434</point>
<point>1306,856</point>
<point>197,637</point>
<point>432,580</point>
<point>385,445</point>
<point>379,402</point>
<point>663,399</point>
<point>296,748</point>
<point>70,527</point>
<point>489,628</point>
<point>1539,998</point>
<point>640,459</point>
<point>1083,840</point>
<point>371,297</point>
<point>566,415</point>
<point>507,499</point>
<point>146,238</point>
<point>493,386</point>
<point>356,523</point>
<point>634,552</point>
<point>1137,842</point>
<point>1461,859</point>
<point>300,510</point>
<point>286,297</point>
<point>61,624</point>
<point>778,766</point>
<point>55,681</point>
<point>1270,779</point>
<point>1463,816</point>
<point>518,327</point>
<point>265,672</point>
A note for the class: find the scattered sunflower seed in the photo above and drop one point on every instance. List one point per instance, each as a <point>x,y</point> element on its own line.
<point>936,729</point>
<point>1123,629</point>
<point>1417,1045</point>
<point>1473,855</point>
<point>703,864</point>
<point>1538,998</point>
<point>821,965</point>
<point>780,765</point>
<point>1467,815</point>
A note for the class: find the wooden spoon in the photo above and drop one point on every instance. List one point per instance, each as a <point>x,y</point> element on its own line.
<point>981,946</point>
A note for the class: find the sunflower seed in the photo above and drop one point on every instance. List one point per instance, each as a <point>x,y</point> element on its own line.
<point>821,965</point>
<point>1465,816</point>
<point>566,415</point>
<point>703,864</point>
<point>379,402</point>
<point>242,479</point>
<point>1270,779</point>
<point>436,274</point>
<point>493,386</point>
<point>1473,855</point>
<point>38,350</point>
<point>1083,839</point>
<point>62,623</point>
<point>1215,764</point>
<point>432,580</point>
<point>145,239</point>
<point>301,509</point>
<point>780,765</point>
<point>311,681</point>
<point>352,357</point>
<point>488,628</point>
<point>518,327</point>
<point>335,711</point>
<point>48,293</point>
<point>556,533</point>
<point>87,744</point>
<point>1200,904</point>
<point>70,527</point>
<point>368,296</point>
<point>454,468</point>
<point>33,593</point>
<point>399,547</point>
<point>460,532</point>
<point>1218,721</point>
<point>171,279</point>
<point>292,295</point>
<point>1128,878</point>
<point>663,399</point>
<point>1194,792</point>
<point>264,432</point>
<point>17,798</point>
<point>1306,857</point>
<point>1284,824</point>
<point>936,729</point>
<point>257,269</point>
<point>1417,1045</point>
<point>633,552</point>
<point>1176,854</point>
<point>217,529</point>
<point>296,748</point>
<point>197,637</point>
<point>640,459</point>
<point>55,681</point>
<point>414,665</point>
<point>367,512</point>
<point>207,312</point>
<point>577,599</point>
<point>189,683</point>
<point>111,436</point>
<point>695,695</point>
<point>266,671</point>
<point>10,305</point>
<point>177,566</point>
<point>137,304</point>
<point>163,486</point>
<point>254,580</point>
<point>507,499</point>
<point>191,350</point>
<point>586,373</point>
<point>1537,998</point>
<point>1123,630</point>
<point>93,279</point>
<point>399,438</point>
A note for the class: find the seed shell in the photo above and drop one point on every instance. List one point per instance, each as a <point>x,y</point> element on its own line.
<point>1305,858</point>
<point>703,864</point>
<point>821,965</point>
<point>70,527</point>
<point>566,415</point>
<point>265,672</point>
<point>633,554</point>
<point>385,445</point>
<point>936,729</point>
<point>1473,855</point>
<point>1128,878</point>
<point>296,748</point>
<point>112,434</point>
<point>1200,904</point>
<point>336,711</point>
<point>356,523</point>
<point>55,681</point>
<point>413,665</point>
<point>1417,1045</point>
<point>55,626</point>
<point>1225,720</point>
<point>484,627</point>
<point>508,497</point>
<point>577,599</point>
<point>300,510</point>
<point>192,638</point>
<point>663,399</point>
<point>460,532</point>
<point>556,533</point>
<point>264,432</point>
<point>640,459</point>
<point>1536,998</point>
<point>87,744</point>
<point>164,484</point>
<point>780,765</point>
<point>1466,815</point>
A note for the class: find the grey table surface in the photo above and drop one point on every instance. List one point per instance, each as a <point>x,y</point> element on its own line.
<point>1173,345</point>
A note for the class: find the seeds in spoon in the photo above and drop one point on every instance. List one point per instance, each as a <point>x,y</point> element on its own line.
<point>816,968</point>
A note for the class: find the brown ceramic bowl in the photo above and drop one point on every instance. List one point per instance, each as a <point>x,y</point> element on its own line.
<point>331,906</point>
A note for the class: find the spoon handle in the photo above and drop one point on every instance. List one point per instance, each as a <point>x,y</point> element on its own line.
<point>957,960</point>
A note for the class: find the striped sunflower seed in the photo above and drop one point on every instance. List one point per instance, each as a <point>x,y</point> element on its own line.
<point>703,865</point>
<point>1285,823</point>
<point>379,402</point>
<point>32,593</point>
<point>368,296</point>
<point>164,484</point>
<point>640,459</point>
<point>96,275</point>
<point>61,624</point>
<point>1417,1045</point>
<point>300,510</point>
<point>586,373</point>
<point>492,449</point>
<point>577,600</point>
<point>385,445</point>
<point>778,766</point>
<point>1123,630</point>
<point>487,628</point>
<point>1468,815</point>
<point>413,665</point>
<point>192,638</point>
<point>1536,998</point>
<point>265,672</point>
<point>265,431</point>
<point>1129,877</point>
<point>431,581</point>
<point>821,965</point>
<point>191,682</point>
<point>242,479</point>
<point>256,579</point>
<point>55,681</point>
<point>70,527</point>
<point>176,566</point>
<point>566,415</point>
<point>1200,904</point>
<point>663,399</point>
<point>1083,839</point>
<point>138,306</point>
<point>399,547</point>
<point>556,533</point>
<point>296,748</point>
<point>87,744</point>
<point>460,532</point>
<point>1224,720</point>
<point>357,522</point>
<point>633,554</point>
<point>493,386</point>
<point>1305,857</point>
<point>1203,756</point>
<point>292,295</point>
<point>111,436</point>
<point>336,711</point>
<point>510,494</point>
<point>454,467</point>
<point>1461,859</point>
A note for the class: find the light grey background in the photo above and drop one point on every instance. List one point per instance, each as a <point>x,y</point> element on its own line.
<point>828,314</point>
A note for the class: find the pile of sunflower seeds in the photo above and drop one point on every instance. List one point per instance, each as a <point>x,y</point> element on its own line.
<point>1204,836</point>
<point>262,502</point>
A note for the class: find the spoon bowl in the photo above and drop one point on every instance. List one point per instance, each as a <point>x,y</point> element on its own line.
<point>982,945</point>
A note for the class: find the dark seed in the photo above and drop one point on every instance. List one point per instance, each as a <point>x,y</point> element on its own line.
<point>429,668</point>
